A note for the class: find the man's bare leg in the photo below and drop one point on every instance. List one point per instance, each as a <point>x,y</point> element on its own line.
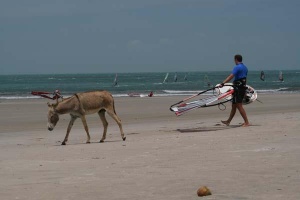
<point>243,113</point>
<point>232,113</point>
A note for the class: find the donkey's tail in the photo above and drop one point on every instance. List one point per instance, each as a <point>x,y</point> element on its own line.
<point>114,107</point>
<point>113,102</point>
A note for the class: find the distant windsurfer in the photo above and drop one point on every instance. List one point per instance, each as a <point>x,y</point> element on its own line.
<point>262,75</point>
<point>175,77</point>
<point>185,77</point>
<point>115,83</point>
<point>280,76</point>
<point>166,78</point>
<point>239,73</point>
<point>207,80</point>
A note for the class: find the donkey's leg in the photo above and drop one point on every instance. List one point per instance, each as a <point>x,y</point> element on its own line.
<point>86,129</point>
<point>73,118</point>
<point>117,119</point>
<point>101,114</point>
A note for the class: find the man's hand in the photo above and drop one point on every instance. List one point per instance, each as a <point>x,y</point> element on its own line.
<point>221,85</point>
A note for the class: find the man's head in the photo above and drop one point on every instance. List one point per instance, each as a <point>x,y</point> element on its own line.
<point>238,58</point>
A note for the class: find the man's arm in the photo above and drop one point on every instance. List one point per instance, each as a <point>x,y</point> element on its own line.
<point>228,78</point>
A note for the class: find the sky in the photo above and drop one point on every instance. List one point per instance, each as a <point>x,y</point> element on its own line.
<point>109,36</point>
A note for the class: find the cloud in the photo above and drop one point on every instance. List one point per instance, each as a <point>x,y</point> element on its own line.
<point>42,33</point>
<point>165,41</point>
<point>134,44</point>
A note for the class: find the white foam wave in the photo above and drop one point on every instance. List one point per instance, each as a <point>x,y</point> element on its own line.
<point>19,97</point>
<point>272,90</point>
<point>181,91</point>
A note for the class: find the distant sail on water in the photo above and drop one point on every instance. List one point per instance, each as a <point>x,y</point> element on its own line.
<point>280,77</point>
<point>185,77</point>
<point>175,77</point>
<point>166,78</point>
<point>143,83</point>
<point>262,75</point>
<point>206,80</point>
<point>115,83</point>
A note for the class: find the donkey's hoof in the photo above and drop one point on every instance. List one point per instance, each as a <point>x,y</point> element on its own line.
<point>63,143</point>
<point>88,142</point>
<point>124,138</point>
<point>101,141</point>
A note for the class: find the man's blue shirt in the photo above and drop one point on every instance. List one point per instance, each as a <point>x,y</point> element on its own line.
<point>240,71</point>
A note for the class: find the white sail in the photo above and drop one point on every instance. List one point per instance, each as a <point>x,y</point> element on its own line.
<point>166,78</point>
<point>185,77</point>
<point>115,83</point>
<point>175,77</point>
<point>280,76</point>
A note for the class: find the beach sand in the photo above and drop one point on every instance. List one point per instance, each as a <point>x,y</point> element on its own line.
<point>163,157</point>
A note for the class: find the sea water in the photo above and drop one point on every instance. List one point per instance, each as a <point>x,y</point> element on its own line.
<point>20,86</point>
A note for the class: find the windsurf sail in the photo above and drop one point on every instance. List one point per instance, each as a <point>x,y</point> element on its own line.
<point>204,102</point>
<point>262,75</point>
<point>185,77</point>
<point>55,95</point>
<point>175,77</point>
<point>206,81</point>
<point>280,77</point>
<point>115,83</point>
<point>218,97</point>
<point>166,78</point>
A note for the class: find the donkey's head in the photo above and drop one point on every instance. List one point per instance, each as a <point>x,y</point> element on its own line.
<point>52,117</point>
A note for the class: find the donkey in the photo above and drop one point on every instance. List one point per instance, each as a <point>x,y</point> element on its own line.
<point>81,104</point>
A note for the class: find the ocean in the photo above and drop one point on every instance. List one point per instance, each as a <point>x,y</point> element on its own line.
<point>20,86</point>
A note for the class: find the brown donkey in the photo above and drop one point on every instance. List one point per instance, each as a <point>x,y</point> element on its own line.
<point>82,104</point>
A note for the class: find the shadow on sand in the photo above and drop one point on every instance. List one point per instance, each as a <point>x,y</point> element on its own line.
<point>217,127</point>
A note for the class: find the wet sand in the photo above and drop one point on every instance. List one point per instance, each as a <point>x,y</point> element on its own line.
<point>163,157</point>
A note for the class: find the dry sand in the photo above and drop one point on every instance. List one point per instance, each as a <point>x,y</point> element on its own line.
<point>164,156</point>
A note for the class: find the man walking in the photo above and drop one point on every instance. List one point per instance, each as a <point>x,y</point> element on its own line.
<point>239,73</point>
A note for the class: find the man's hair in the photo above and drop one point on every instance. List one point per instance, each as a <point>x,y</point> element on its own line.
<point>238,57</point>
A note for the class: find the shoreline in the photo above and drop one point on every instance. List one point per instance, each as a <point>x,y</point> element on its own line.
<point>144,95</point>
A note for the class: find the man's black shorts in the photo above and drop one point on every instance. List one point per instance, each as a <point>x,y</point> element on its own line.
<point>239,93</point>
